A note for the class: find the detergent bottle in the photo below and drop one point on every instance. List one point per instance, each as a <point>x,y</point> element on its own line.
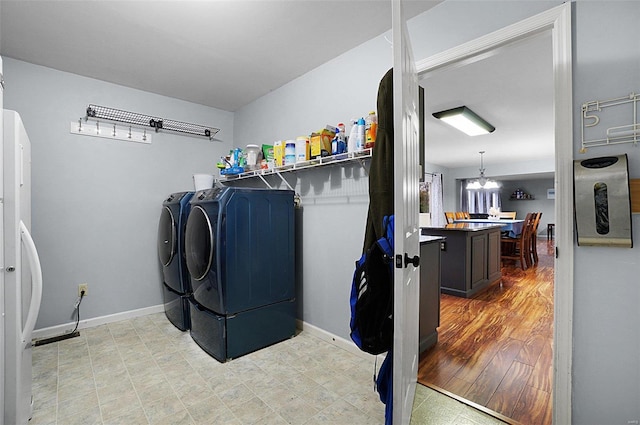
<point>353,135</point>
<point>360,140</point>
<point>342,139</point>
<point>371,129</point>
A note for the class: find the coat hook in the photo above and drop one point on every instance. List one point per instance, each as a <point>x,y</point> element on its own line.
<point>129,132</point>
<point>97,127</point>
<point>114,130</point>
<point>79,125</point>
<point>144,136</point>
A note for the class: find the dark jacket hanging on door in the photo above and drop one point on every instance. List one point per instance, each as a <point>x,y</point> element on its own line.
<point>372,285</point>
<point>381,169</point>
<point>381,208</point>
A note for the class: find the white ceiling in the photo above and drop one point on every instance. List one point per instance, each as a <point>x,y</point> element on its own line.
<point>512,89</point>
<point>225,54</point>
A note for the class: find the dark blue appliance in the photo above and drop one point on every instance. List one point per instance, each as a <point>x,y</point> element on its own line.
<point>176,284</point>
<point>240,255</point>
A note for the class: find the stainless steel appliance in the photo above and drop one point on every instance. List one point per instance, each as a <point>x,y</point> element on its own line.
<point>602,201</point>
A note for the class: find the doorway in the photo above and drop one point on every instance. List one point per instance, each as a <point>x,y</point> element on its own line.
<point>557,24</point>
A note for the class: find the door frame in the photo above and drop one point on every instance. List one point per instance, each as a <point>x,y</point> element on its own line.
<point>558,21</point>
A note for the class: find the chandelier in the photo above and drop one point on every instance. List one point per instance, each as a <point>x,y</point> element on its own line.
<point>482,182</point>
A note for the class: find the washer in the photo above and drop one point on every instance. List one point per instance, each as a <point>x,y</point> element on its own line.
<point>176,283</point>
<point>240,255</point>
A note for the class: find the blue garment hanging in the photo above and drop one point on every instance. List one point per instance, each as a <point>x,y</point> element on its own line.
<point>384,384</point>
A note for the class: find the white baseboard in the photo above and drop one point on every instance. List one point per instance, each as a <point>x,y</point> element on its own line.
<point>96,321</point>
<point>336,340</point>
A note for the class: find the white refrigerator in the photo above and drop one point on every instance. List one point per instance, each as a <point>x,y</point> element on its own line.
<point>20,272</point>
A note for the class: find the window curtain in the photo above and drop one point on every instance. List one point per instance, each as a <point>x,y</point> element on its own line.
<point>479,200</point>
<point>436,200</point>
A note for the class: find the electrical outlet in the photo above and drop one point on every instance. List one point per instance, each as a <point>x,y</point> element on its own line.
<point>83,287</point>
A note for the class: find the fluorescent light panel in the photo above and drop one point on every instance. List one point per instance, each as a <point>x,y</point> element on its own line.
<point>465,120</point>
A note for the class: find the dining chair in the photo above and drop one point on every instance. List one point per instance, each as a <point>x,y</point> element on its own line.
<point>450,216</point>
<point>534,237</point>
<point>519,248</point>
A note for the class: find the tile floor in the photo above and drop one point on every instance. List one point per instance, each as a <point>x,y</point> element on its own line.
<point>145,371</point>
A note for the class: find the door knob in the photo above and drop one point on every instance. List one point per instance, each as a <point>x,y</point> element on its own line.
<point>415,260</point>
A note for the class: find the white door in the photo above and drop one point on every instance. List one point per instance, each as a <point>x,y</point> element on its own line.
<point>406,211</point>
<point>2,331</point>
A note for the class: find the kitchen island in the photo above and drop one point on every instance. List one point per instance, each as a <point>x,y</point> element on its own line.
<point>470,260</point>
<point>429,290</point>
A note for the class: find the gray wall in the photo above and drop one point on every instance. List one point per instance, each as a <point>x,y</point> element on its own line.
<point>606,350</point>
<point>526,169</point>
<point>537,188</point>
<point>96,202</point>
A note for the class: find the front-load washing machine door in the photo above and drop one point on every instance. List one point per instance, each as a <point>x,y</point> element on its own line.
<point>168,250</point>
<point>200,250</point>
<point>167,237</point>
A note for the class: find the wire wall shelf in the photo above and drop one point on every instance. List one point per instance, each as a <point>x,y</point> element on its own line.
<point>596,112</point>
<point>116,115</point>
<point>313,163</point>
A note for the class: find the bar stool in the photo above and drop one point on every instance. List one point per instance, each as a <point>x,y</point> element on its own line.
<point>550,228</point>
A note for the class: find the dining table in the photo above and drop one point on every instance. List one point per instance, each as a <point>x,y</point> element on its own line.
<point>512,227</point>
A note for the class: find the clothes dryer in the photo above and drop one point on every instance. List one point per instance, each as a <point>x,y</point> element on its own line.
<point>239,246</point>
<point>176,284</point>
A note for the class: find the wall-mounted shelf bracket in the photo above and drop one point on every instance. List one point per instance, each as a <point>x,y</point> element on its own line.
<point>362,164</point>
<point>264,181</point>
<point>277,172</point>
<point>595,113</point>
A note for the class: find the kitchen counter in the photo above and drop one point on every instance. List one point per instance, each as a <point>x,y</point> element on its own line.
<point>470,260</point>
<point>462,227</point>
<point>428,239</point>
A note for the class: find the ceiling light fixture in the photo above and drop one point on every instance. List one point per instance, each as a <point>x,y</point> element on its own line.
<point>465,120</point>
<point>482,182</point>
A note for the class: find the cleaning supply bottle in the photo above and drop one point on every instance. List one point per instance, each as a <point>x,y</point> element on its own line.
<point>302,148</point>
<point>353,135</point>
<point>342,139</point>
<point>290,152</point>
<point>371,129</point>
<point>360,140</point>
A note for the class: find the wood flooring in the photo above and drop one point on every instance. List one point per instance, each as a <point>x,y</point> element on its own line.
<point>495,350</point>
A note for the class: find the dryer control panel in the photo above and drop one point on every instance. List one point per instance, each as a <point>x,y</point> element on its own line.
<point>208,194</point>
